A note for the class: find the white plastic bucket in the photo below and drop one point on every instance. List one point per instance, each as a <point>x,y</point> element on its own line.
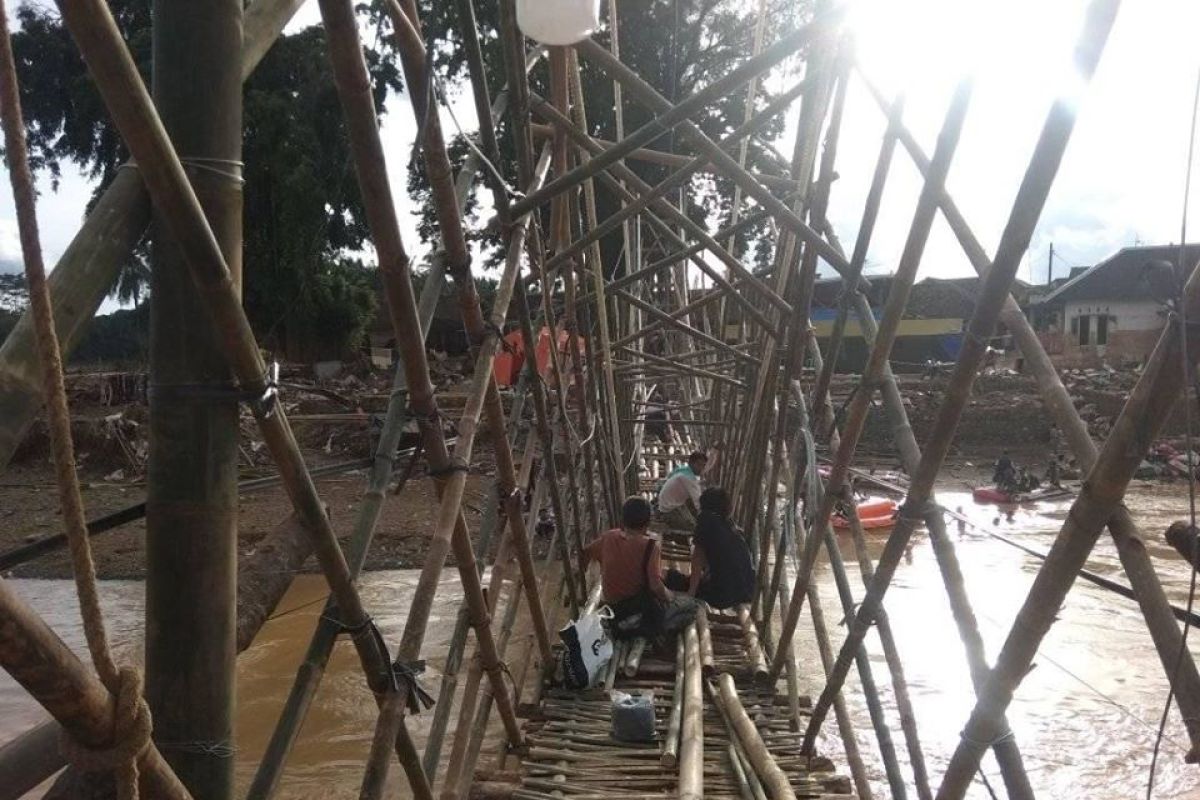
<point>558,22</point>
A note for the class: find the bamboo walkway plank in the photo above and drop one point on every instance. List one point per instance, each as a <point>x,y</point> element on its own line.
<point>573,756</point>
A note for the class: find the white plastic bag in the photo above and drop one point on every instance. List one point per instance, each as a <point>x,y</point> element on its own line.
<point>588,649</point>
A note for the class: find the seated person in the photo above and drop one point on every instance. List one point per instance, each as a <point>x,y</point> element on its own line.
<point>679,498</point>
<point>722,574</point>
<point>631,572</point>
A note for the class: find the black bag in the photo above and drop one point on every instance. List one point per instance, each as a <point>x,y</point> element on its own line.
<point>639,615</point>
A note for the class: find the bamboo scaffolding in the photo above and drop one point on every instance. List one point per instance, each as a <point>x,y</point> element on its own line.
<point>308,677</point>
<point>441,177</point>
<point>671,116</point>
<point>625,189</point>
<point>722,160</point>
<point>888,327</point>
<point>1026,209</point>
<point>675,179</point>
<point>92,27</point>
<point>1131,548</point>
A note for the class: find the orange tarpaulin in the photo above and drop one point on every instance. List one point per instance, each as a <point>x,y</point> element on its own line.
<point>511,359</point>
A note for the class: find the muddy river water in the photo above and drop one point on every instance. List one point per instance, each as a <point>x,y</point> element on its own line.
<point>1084,718</point>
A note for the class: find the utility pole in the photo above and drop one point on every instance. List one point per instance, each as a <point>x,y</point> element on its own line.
<point>1050,266</point>
<point>192,500</point>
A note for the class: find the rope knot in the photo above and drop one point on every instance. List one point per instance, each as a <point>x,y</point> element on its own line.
<point>130,735</point>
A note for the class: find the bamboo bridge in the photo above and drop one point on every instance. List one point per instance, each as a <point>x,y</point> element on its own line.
<point>739,357</point>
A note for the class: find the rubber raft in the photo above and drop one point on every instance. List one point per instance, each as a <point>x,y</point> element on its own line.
<point>994,494</point>
<point>873,514</point>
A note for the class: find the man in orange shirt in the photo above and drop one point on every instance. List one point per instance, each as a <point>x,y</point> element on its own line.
<point>631,572</point>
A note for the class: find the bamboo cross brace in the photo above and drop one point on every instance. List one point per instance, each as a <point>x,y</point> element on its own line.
<point>683,327</point>
<point>775,181</point>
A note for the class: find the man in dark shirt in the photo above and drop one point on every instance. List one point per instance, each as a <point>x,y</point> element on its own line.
<point>722,573</point>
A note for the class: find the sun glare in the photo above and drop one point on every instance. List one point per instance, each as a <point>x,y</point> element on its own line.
<point>925,45</point>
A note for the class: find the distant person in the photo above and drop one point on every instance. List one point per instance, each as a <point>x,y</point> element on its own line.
<point>631,573</point>
<point>657,418</point>
<point>1182,537</point>
<point>1054,472</point>
<point>722,574</point>
<point>679,497</point>
<point>1004,474</point>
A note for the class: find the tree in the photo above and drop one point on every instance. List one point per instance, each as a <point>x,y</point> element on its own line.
<point>303,294</point>
<point>678,47</point>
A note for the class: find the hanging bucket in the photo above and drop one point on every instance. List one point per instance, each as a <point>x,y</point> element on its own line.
<point>558,22</point>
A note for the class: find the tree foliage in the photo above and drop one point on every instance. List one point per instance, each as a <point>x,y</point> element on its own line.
<point>305,292</point>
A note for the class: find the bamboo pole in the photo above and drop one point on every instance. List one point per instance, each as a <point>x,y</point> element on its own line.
<point>191,483</point>
<point>87,269</point>
<point>691,744</point>
<point>754,652</point>
<point>774,779</point>
<point>707,660</point>
<point>1026,210</point>
<point>607,387</point>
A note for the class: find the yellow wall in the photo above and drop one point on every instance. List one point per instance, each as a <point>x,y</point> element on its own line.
<point>908,327</point>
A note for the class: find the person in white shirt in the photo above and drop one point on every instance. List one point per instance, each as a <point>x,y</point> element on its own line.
<point>679,497</point>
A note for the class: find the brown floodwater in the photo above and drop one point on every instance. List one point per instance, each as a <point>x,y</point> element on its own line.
<point>1084,717</point>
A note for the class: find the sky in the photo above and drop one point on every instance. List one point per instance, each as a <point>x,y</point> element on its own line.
<point>1121,182</point>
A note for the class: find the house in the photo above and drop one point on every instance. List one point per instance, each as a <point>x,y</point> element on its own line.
<point>931,329</point>
<point>1111,313</point>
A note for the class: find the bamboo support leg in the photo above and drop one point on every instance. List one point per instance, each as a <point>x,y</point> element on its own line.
<point>670,751</point>
<point>691,744</point>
